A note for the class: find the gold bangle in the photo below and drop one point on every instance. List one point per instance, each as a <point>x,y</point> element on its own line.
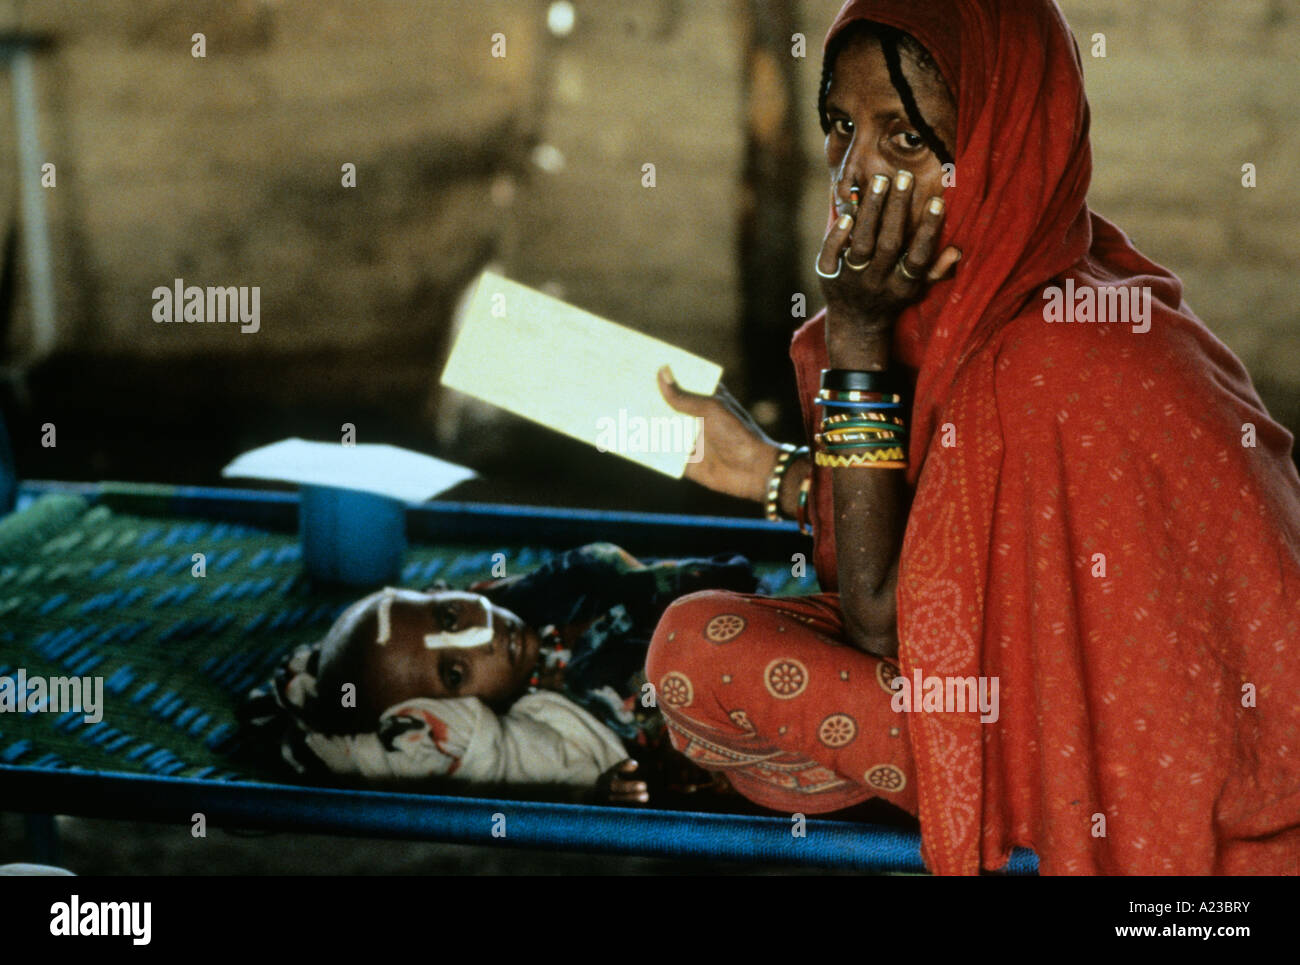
<point>771,508</point>
<point>857,395</point>
<point>880,417</point>
<point>844,436</point>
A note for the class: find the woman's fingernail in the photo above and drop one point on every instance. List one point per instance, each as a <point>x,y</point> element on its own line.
<point>879,183</point>
<point>936,206</point>
<point>846,221</point>
<point>903,180</point>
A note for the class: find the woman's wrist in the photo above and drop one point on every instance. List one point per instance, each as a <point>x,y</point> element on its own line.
<point>869,353</point>
<point>855,341</point>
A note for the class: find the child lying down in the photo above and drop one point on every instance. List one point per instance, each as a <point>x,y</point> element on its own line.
<point>534,679</point>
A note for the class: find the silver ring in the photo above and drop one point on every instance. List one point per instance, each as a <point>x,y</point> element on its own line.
<point>902,269</point>
<point>839,266</point>
<point>852,267</point>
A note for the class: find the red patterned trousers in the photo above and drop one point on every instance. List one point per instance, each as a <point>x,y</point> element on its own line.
<point>768,691</point>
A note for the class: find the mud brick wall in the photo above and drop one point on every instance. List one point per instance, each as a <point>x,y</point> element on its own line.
<point>226,171</point>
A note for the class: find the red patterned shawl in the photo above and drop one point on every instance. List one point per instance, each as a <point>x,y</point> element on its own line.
<point>1121,694</point>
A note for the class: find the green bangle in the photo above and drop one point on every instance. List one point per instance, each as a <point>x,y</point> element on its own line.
<point>863,424</point>
<point>886,444</point>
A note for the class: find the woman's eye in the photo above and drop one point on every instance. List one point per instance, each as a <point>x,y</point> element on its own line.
<point>842,126</point>
<point>909,140</point>
<point>453,676</point>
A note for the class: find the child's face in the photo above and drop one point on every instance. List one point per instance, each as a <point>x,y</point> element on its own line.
<point>432,644</point>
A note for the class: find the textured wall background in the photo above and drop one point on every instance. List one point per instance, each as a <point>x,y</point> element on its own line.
<point>226,171</point>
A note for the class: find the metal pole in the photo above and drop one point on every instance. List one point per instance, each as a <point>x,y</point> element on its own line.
<point>36,236</point>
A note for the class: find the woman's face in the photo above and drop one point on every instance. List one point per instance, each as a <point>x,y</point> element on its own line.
<point>433,644</point>
<point>870,132</point>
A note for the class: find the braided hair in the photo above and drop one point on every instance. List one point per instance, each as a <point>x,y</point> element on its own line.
<point>891,41</point>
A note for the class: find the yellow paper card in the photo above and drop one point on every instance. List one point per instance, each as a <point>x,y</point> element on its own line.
<point>576,373</point>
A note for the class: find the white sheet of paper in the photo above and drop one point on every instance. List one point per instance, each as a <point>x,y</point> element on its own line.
<point>576,373</point>
<point>372,468</point>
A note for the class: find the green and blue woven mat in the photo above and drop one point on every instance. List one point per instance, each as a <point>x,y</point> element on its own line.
<point>89,591</point>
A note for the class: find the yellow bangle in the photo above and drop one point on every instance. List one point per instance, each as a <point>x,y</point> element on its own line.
<point>880,459</point>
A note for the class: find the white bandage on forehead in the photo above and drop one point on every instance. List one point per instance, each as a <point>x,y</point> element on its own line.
<point>475,636</point>
<point>472,636</point>
<point>386,616</point>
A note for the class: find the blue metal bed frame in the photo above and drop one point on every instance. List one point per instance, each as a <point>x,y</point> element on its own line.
<point>40,792</point>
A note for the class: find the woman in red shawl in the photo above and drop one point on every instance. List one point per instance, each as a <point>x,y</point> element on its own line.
<point>1009,485</point>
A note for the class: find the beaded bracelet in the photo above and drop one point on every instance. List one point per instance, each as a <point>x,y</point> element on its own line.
<point>771,508</point>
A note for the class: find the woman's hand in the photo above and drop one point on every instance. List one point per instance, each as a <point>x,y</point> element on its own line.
<point>618,785</point>
<point>880,269</point>
<point>734,455</point>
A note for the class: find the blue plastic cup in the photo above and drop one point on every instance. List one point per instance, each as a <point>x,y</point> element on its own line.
<point>350,536</point>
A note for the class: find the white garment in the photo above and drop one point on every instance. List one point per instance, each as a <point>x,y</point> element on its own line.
<point>543,739</point>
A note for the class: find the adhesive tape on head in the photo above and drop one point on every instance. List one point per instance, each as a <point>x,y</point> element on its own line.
<point>386,616</point>
<point>475,636</point>
<point>470,636</point>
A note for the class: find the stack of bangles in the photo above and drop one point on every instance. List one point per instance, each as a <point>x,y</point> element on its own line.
<point>862,427</point>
